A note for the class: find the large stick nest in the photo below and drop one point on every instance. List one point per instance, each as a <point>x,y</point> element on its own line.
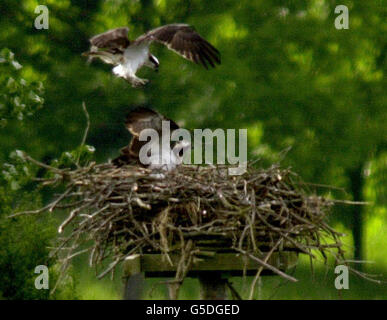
<point>118,212</point>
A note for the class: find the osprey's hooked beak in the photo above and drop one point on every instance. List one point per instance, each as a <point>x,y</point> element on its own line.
<point>155,62</point>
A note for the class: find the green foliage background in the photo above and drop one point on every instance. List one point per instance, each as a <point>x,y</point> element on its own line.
<point>287,75</point>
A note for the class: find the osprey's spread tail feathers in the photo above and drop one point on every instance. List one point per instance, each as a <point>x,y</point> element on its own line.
<point>105,56</point>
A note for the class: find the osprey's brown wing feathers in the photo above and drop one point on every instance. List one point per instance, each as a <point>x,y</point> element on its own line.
<point>184,40</point>
<point>125,158</point>
<point>144,118</point>
<point>112,39</point>
<point>137,120</point>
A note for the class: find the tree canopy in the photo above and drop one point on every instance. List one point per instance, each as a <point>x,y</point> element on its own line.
<point>287,75</point>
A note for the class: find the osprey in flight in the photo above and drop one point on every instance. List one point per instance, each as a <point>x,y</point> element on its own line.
<point>128,57</point>
<point>168,157</point>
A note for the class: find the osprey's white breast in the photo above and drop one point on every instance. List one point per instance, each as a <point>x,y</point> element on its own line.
<point>165,159</point>
<point>136,56</point>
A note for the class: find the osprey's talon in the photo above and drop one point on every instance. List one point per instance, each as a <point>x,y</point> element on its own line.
<point>138,83</point>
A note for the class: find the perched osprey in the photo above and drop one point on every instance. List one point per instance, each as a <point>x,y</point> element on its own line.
<point>169,156</point>
<point>128,57</point>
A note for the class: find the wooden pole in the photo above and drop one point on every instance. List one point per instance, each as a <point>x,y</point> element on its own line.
<point>173,291</point>
<point>212,286</point>
<point>211,272</point>
<point>134,278</point>
<point>134,286</point>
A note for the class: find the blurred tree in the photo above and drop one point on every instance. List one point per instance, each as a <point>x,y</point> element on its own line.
<point>24,241</point>
<point>18,98</point>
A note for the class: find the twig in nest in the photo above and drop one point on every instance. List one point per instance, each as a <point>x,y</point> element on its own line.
<point>234,293</point>
<point>267,257</point>
<point>266,265</point>
<point>86,130</point>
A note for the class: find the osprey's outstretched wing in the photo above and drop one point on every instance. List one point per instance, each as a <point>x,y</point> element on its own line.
<point>109,46</point>
<point>184,40</point>
<point>115,39</point>
<point>144,118</point>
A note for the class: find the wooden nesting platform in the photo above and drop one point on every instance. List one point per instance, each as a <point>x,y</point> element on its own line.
<point>212,271</point>
<point>229,264</point>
